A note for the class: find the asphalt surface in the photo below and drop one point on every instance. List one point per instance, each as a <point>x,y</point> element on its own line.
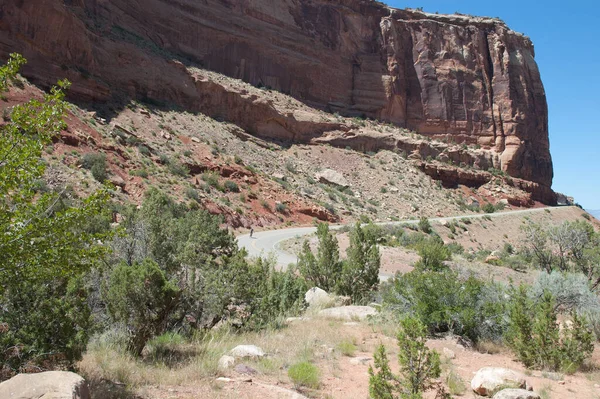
<point>267,243</point>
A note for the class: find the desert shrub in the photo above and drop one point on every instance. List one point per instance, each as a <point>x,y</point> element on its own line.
<point>537,339</point>
<point>281,207</point>
<point>274,294</point>
<point>139,172</point>
<point>570,246</point>
<point>96,163</point>
<point>424,225</point>
<point>330,208</point>
<point>140,297</point>
<point>488,208</point>
<point>433,254</point>
<point>305,374</point>
<point>265,205</point>
<point>346,347</point>
<point>289,165</point>
<point>191,193</point>
<point>455,248</point>
<point>443,302</point>
<point>212,179</point>
<point>144,150</point>
<point>231,186</point>
<point>571,292</point>
<point>44,320</point>
<point>323,270</point>
<point>92,158</point>
<point>456,385</point>
<point>360,271</point>
<point>419,365</point>
<point>178,169</point>
<point>99,172</point>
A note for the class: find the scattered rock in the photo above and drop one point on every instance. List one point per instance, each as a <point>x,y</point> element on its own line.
<point>317,298</point>
<point>348,313</point>
<point>47,385</point>
<point>488,379</point>
<point>226,362</point>
<point>449,353</point>
<point>224,379</point>
<point>516,394</point>
<point>244,369</point>
<point>195,139</point>
<point>280,392</point>
<point>360,360</point>
<point>330,176</point>
<point>247,351</point>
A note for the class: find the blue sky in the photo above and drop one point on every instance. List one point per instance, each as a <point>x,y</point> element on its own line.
<point>566,37</point>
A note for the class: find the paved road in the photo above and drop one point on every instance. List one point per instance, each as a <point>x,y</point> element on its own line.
<point>268,242</point>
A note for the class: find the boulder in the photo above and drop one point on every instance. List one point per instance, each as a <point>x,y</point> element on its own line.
<point>489,379</point>
<point>330,176</point>
<point>516,394</point>
<point>348,313</point>
<point>47,385</point>
<point>317,298</point>
<point>247,351</point>
<point>226,362</point>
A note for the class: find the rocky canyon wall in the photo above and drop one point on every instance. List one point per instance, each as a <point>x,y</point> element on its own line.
<point>469,79</point>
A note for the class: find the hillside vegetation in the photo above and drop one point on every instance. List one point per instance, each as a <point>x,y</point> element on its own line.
<point>137,282</point>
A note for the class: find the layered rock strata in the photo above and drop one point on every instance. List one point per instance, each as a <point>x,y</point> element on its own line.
<point>470,80</point>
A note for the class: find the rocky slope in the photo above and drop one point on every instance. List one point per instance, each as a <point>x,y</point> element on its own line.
<point>468,80</point>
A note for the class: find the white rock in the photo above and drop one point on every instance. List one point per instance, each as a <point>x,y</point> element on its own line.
<point>47,385</point>
<point>317,298</point>
<point>247,351</point>
<point>330,176</point>
<point>516,394</point>
<point>348,313</point>
<point>226,362</point>
<point>224,379</point>
<point>489,379</point>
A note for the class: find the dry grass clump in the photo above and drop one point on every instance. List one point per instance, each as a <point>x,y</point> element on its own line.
<point>170,360</point>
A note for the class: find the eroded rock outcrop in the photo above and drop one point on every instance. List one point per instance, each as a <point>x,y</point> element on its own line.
<point>469,79</point>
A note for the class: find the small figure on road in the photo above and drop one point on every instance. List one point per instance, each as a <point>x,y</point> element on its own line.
<point>251,232</point>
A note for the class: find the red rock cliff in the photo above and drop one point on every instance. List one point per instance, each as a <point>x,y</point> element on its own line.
<point>469,78</point>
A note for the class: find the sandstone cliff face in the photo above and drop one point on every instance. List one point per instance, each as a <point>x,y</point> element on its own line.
<point>470,79</point>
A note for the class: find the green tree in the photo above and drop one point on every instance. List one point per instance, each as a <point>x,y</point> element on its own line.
<point>535,335</point>
<point>418,365</point>
<point>44,249</point>
<point>325,269</point>
<point>360,274</point>
<point>140,297</point>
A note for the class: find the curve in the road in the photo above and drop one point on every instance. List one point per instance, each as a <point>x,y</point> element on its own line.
<point>267,243</point>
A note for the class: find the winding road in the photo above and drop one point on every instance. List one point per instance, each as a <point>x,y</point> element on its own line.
<point>268,242</point>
